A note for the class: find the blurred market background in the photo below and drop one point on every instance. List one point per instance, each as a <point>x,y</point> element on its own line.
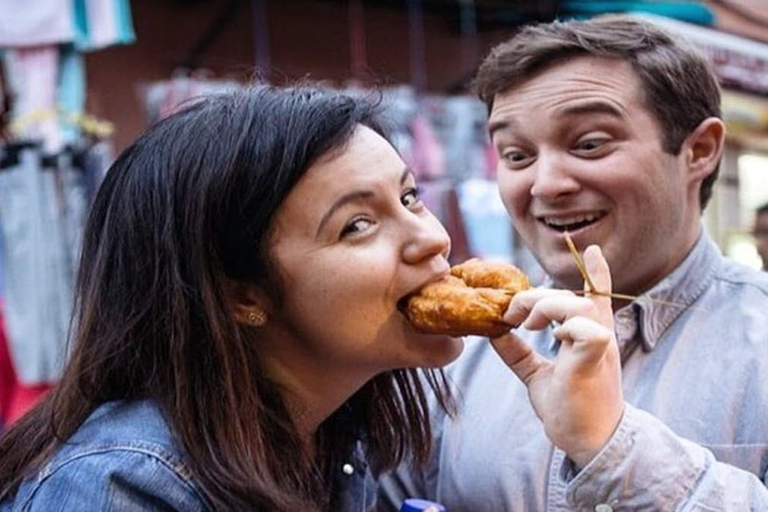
<point>81,79</point>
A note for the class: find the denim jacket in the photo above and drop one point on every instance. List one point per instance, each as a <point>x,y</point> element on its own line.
<point>123,458</point>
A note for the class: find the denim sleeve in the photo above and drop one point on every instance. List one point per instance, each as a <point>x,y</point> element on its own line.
<point>645,466</point>
<point>114,480</point>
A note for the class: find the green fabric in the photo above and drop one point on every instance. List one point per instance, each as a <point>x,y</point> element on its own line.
<point>692,12</point>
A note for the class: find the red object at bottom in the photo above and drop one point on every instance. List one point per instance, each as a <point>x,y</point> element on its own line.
<point>15,398</point>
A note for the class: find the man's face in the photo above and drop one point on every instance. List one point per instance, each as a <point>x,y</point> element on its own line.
<point>761,237</point>
<point>580,152</point>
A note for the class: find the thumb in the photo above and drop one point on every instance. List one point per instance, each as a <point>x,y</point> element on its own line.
<point>519,356</point>
<point>598,270</point>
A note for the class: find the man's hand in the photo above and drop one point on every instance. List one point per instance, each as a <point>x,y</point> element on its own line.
<point>578,396</point>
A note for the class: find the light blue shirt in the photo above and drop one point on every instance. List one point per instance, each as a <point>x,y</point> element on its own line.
<point>123,458</point>
<point>694,435</point>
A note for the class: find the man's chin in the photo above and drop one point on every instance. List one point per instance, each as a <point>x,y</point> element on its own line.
<point>564,273</point>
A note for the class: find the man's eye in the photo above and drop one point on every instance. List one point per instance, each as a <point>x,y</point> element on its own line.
<point>515,159</point>
<point>590,145</point>
<point>411,197</point>
<point>355,227</point>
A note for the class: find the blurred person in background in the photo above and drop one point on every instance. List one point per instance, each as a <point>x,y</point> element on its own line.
<point>610,129</point>
<point>760,233</point>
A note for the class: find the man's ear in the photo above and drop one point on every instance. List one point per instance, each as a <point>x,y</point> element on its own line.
<point>247,301</point>
<point>703,148</point>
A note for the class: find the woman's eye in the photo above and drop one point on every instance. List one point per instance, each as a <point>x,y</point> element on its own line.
<point>357,225</point>
<point>411,197</point>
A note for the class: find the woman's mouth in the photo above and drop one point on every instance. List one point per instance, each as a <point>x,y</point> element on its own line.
<point>403,303</point>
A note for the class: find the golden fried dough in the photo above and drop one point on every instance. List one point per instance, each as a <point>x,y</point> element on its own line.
<point>477,273</point>
<point>471,300</point>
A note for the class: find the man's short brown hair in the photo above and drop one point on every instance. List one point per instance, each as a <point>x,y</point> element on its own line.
<point>678,83</point>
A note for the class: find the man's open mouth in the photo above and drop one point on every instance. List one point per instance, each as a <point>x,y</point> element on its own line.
<point>573,222</point>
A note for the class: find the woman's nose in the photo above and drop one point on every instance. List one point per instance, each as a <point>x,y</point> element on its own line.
<point>426,239</point>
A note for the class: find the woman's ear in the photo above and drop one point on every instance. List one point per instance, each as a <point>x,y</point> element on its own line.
<point>704,148</point>
<point>248,303</point>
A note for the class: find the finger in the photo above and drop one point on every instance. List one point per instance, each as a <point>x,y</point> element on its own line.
<point>558,309</point>
<point>600,272</point>
<point>519,356</point>
<point>586,338</point>
<point>523,302</point>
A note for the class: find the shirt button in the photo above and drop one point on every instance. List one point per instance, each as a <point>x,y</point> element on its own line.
<point>348,470</point>
<point>603,507</point>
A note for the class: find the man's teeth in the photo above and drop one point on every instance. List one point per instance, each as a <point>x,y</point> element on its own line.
<point>569,221</point>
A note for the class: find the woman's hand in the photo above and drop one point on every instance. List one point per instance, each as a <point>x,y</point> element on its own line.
<point>578,396</point>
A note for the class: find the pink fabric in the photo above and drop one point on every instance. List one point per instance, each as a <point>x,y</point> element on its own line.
<point>15,398</point>
<point>428,155</point>
<point>7,375</point>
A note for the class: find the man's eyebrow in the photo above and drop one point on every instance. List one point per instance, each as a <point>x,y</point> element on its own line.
<point>353,196</point>
<point>590,107</point>
<point>495,126</point>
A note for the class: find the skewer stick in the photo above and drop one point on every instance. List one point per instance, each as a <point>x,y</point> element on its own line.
<point>580,264</point>
<point>592,289</point>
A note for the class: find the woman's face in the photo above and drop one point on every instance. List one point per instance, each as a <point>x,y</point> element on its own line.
<point>352,239</point>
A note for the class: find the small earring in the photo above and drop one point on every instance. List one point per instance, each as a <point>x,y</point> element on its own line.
<point>257,317</point>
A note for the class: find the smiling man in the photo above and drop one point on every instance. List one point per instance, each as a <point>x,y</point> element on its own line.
<point>610,130</point>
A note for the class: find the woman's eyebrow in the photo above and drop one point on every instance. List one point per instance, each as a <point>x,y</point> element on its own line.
<point>355,195</point>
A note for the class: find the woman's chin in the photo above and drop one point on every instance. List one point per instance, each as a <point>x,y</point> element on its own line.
<point>438,350</point>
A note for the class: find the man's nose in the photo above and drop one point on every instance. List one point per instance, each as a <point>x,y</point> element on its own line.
<point>553,178</point>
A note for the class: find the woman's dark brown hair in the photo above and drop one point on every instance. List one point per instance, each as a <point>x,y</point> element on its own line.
<point>184,210</point>
<point>680,88</point>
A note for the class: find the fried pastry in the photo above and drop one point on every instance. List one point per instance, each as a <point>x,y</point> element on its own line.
<point>471,300</point>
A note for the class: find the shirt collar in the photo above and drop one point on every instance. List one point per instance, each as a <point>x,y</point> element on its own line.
<point>659,307</point>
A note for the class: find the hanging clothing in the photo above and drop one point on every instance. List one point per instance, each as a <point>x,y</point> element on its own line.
<point>90,24</point>
<point>37,23</point>
<point>32,74</point>
<point>7,376</point>
<point>43,203</point>
<point>441,199</point>
<point>488,226</point>
<point>41,43</point>
<point>15,398</point>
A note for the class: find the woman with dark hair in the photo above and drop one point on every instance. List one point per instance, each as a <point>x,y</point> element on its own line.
<point>237,341</point>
